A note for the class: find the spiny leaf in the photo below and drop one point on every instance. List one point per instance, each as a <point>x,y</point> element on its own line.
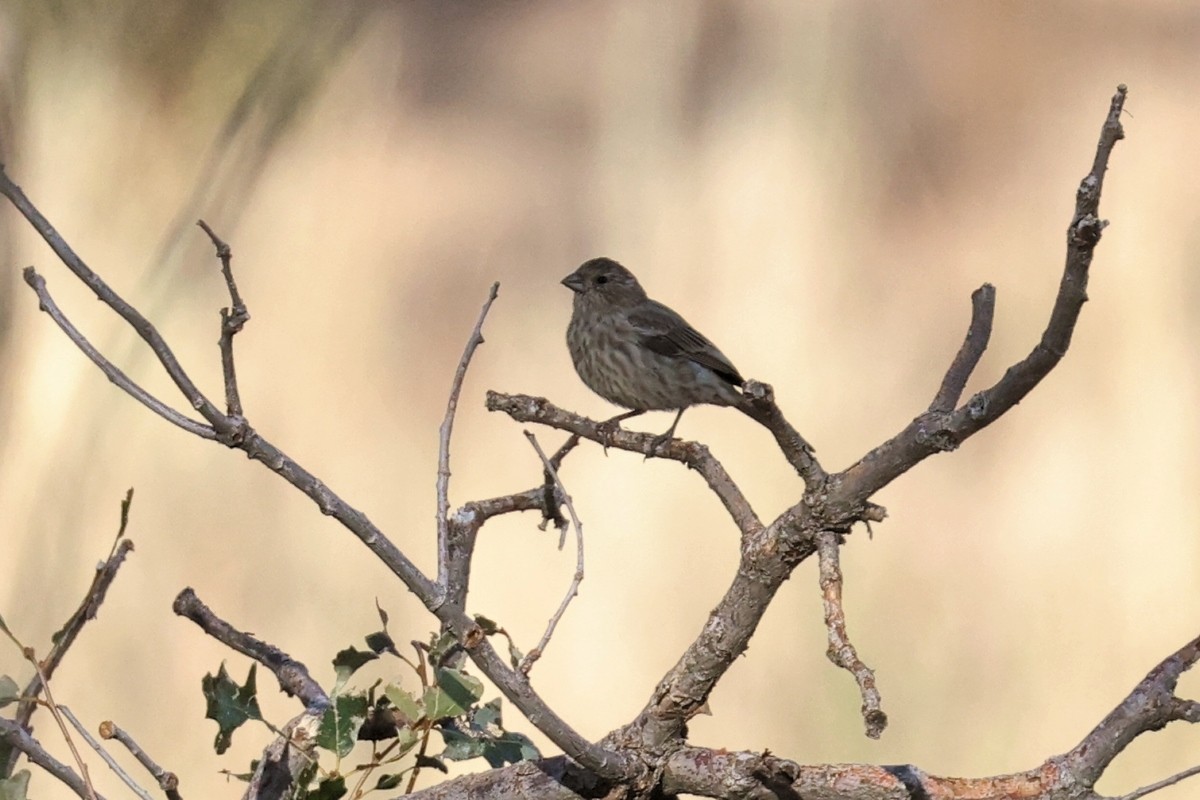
<point>230,705</point>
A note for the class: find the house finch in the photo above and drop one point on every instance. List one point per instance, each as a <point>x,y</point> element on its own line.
<point>638,353</point>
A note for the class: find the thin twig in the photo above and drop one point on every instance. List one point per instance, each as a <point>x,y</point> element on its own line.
<point>979,332</point>
<point>31,657</point>
<point>89,606</point>
<point>167,781</point>
<point>233,319</point>
<point>131,315</point>
<point>19,739</point>
<point>841,650</point>
<point>1154,787</point>
<point>108,759</point>
<point>550,503</point>
<point>443,473</point>
<point>536,653</point>
<point>111,371</point>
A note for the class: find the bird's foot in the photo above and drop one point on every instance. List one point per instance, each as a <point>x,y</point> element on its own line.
<point>660,441</point>
<point>606,430</point>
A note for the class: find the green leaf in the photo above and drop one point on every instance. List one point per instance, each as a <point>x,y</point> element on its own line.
<point>341,722</point>
<point>408,708</point>
<point>380,723</point>
<point>460,746</point>
<point>16,787</point>
<point>464,689</point>
<point>347,662</point>
<point>9,691</point>
<point>229,705</point>
<point>439,646</point>
<point>244,777</point>
<point>406,740</point>
<point>515,656</point>
<point>328,789</point>
<point>386,782</point>
<point>509,748</point>
<point>383,615</point>
<point>381,642</point>
<point>438,704</point>
<point>488,626</point>
<point>486,718</point>
<point>430,761</point>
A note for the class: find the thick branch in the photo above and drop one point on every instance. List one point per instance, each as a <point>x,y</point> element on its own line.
<point>762,776</point>
<point>1149,707</point>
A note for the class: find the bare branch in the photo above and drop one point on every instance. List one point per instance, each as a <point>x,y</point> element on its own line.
<point>285,758</point>
<point>111,371</point>
<point>1150,706</point>
<point>983,311</point>
<point>293,676</point>
<point>1154,787</point>
<point>125,777</point>
<point>233,319</point>
<point>114,301</point>
<point>524,408</point>
<point>930,433</point>
<point>167,781</point>
<point>466,522</point>
<point>443,473</point>
<point>572,590</point>
<point>758,403</point>
<point>841,651</point>
<point>58,717</point>
<point>106,573</point>
<point>19,739</point>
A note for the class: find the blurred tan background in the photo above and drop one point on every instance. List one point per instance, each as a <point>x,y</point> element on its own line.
<point>818,186</point>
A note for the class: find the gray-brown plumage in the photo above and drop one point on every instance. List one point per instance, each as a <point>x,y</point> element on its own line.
<point>636,352</point>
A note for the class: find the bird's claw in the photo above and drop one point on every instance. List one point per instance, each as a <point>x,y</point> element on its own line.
<point>657,443</point>
<point>606,430</point>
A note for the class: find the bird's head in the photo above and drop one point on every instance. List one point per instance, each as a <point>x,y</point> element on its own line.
<point>604,280</point>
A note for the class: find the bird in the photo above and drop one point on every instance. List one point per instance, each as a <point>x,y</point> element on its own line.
<point>638,353</point>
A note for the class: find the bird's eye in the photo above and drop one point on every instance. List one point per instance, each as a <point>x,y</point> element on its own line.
<point>601,279</point>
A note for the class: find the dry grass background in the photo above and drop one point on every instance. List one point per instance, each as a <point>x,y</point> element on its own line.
<point>819,186</point>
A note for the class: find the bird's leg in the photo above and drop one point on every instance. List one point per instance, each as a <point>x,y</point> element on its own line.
<point>610,426</point>
<point>663,438</point>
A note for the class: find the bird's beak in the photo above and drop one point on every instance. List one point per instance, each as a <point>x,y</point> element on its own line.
<point>575,282</point>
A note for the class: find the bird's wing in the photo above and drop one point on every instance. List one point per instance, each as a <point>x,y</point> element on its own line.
<point>668,334</point>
